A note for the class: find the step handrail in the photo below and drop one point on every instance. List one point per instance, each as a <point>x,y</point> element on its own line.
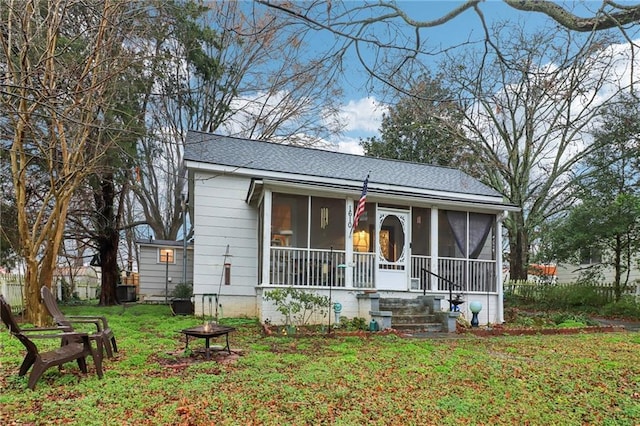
<point>448,281</point>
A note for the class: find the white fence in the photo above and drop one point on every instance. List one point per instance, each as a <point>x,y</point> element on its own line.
<point>533,290</point>
<point>11,286</point>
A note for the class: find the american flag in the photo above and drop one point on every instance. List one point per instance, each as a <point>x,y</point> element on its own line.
<point>361,203</point>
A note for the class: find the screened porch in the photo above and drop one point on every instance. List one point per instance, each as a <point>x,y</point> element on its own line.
<point>312,245</point>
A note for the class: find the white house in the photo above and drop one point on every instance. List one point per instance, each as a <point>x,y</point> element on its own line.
<point>268,215</point>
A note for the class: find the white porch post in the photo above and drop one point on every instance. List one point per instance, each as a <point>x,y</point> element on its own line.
<point>348,246</point>
<point>266,238</point>
<point>499,284</point>
<point>433,235</point>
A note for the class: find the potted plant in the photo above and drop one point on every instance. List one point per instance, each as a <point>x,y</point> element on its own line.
<point>181,303</point>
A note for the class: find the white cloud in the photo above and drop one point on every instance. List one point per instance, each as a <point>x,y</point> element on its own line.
<point>363,115</point>
<point>362,118</point>
<point>349,146</point>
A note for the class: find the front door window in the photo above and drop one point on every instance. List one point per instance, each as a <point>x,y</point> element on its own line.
<point>391,240</point>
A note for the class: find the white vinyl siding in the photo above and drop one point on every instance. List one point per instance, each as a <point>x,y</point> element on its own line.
<point>153,274</point>
<point>223,218</point>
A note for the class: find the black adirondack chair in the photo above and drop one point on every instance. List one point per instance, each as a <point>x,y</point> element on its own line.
<point>103,336</point>
<point>74,347</point>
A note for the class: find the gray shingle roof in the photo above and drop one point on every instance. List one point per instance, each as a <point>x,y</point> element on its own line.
<point>274,157</point>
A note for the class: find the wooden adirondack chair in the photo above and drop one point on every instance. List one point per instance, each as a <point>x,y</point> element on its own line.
<point>103,336</point>
<point>75,347</point>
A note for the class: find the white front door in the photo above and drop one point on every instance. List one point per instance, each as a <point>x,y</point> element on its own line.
<point>392,250</point>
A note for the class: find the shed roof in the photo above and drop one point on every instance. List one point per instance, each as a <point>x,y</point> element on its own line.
<point>264,156</point>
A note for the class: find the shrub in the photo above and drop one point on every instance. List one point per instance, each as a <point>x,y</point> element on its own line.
<point>354,324</point>
<point>573,296</point>
<point>626,307</point>
<point>182,291</point>
<point>567,319</point>
<point>297,305</point>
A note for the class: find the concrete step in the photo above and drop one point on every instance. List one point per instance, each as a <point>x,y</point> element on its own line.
<point>414,314</point>
<point>406,310</point>
<point>413,319</point>
<point>432,327</point>
<point>399,302</point>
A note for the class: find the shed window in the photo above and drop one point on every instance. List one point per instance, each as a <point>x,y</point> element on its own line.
<point>166,255</point>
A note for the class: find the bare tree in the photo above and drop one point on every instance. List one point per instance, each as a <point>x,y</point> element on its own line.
<point>338,16</point>
<point>245,76</point>
<point>528,107</point>
<point>387,39</point>
<point>54,88</point>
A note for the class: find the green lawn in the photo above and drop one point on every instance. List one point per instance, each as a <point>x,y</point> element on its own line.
<point>539,380</point>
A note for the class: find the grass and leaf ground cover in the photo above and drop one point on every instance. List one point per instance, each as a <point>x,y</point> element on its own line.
<point>348,380</point>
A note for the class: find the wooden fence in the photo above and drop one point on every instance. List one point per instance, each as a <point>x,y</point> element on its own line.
<point>535,291</point>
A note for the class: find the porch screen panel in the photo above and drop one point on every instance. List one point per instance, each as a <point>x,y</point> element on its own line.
<point>364,234</point>
<point>289,218</point>
<point>452,244</point>
<point>452,238</point>
<point>420,228</point>
<point>420,246</point>
<point>481,236</point>
<point>327,223</point>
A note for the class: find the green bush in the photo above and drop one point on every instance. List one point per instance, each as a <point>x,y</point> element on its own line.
<point>626,307</point>
<point>568,319</point>
<point>182,291</point>
<point>297,305</point>
<point>573,296</point>
<point>356,323</point>
<point>571,324</point>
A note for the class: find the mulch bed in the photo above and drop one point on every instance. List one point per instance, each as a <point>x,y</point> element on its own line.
<point>271,330</point>
<point>506,331</point>
<point>497,330</point>
<point>178,360</point>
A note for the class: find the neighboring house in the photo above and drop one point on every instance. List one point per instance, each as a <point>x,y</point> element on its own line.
<point>84,281</point>
<point>570,273</point>
<point>285,214</point>
<point>160,268</point>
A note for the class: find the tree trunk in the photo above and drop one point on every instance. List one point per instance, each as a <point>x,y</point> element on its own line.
<point>617,288</point>
<point>107,239</point>
<point>35,312</point>
<point>518,248</point>
<point>108,250</point>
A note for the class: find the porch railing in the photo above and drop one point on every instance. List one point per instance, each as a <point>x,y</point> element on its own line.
<point>363,267</point>
<point>473,275</point>
<point>319,268</point>
<point>418,265</point>
<point>306,267</point>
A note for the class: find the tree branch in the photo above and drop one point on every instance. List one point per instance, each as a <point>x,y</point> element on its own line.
<point>627,14</point>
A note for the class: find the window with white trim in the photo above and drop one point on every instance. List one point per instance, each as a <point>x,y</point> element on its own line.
<point>166,255</point>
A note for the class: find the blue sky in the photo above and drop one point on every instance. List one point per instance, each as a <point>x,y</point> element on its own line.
<point>361,110</point>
